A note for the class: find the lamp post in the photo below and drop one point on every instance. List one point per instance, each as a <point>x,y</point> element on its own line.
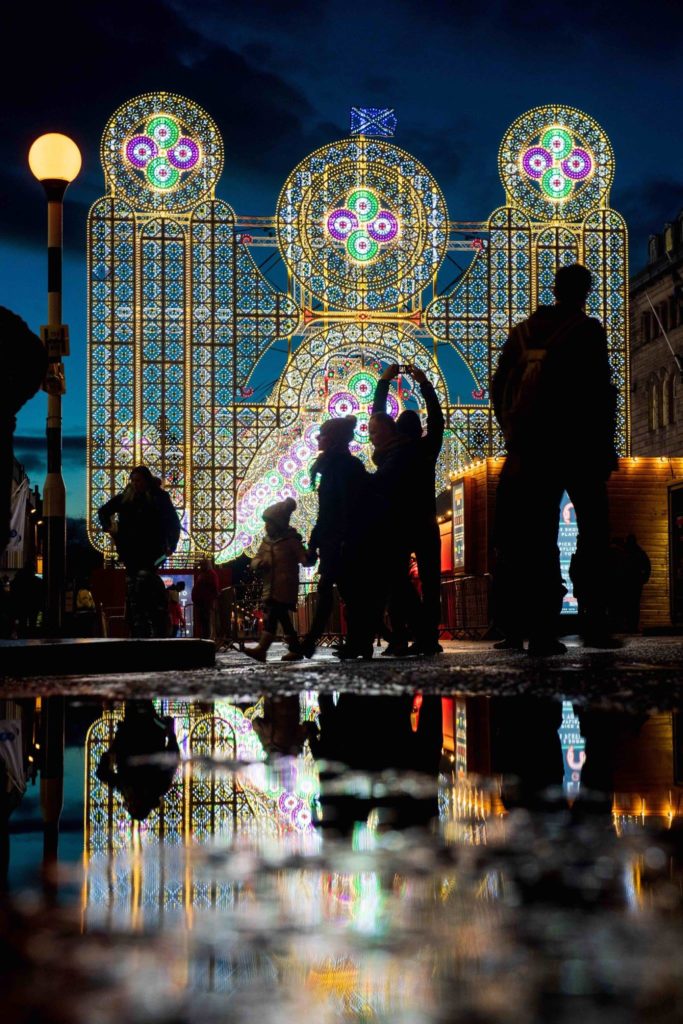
<point>55,161</point>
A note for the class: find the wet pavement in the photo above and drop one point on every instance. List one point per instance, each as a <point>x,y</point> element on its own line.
<point>386,846</point>
<point>649,667</point>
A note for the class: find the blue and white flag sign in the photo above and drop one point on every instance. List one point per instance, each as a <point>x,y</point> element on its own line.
<point>379,121</point>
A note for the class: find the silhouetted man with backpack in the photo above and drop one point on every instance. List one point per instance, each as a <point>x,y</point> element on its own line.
<point>555,403</point>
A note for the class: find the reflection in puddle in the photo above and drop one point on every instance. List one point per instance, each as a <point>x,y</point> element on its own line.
<point>345,859</point>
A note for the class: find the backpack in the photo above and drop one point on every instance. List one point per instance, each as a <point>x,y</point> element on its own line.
<point>524,386</point>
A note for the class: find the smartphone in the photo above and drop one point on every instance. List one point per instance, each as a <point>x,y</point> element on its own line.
<point>403,368</point>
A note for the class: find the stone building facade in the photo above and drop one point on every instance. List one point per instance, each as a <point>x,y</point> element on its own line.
<point>656,378</point>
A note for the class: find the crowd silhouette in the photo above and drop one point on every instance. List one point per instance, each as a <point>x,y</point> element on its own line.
<point>370,526</point>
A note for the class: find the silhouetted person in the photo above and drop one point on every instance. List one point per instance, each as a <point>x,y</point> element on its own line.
<point>24,363</point>
<point>142,759</point>
<point>176,615</point>
<point>341,538</point>
<point>280,729</point>
<point>396,486</point>
<point>376,734</point>
<point>146,529</point>
<point>27,600</point>
<point>426,542</point>
<point>277,561</point>
<point>637,571</point>
<point>204,596</point>
<point>554,400</point>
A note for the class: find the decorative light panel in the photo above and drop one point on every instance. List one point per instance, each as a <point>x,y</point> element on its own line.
<point>161,150</point>
<point>556,163</point>
<point>362,225</point>
<point>180,315</point>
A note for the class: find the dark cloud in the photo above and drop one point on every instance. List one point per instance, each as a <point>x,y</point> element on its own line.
<point>31,452</point>
<point>646,207</point>
<point>119,52</point>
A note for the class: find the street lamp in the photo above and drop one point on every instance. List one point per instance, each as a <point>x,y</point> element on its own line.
<point>55,161</point>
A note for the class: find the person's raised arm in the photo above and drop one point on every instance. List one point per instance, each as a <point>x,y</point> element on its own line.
<point>436,423</point>
<point>379,402</point>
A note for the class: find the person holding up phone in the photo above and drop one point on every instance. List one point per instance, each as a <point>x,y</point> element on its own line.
<point>424,539</point>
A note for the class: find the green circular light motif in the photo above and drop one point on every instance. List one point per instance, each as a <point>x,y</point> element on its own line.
<point>164,131</point>
<point>356,386</point>
<point>561,135</point>
<point>361,247</point>
<point>160,174</point>
<point>368,203</point>
<point>559,191</point>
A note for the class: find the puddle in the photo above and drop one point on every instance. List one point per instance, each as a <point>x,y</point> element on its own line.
<point>339,857</point>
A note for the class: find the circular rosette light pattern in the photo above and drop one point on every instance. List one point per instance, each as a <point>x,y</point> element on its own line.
<point>384,227</point>
<point>343,403</point>
<point>555,184</point>
<point>341,223</point>
<point>364,203</point>
<point>162,151</point>
<point>362,225</point>
<point>160,174</point>
<point>578,165</point>
<point>361,247</point>
<point>555,162</point>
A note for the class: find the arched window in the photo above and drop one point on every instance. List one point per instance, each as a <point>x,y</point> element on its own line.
<point>653,404</point>
<point>664,405</point>
<point>672,387</point>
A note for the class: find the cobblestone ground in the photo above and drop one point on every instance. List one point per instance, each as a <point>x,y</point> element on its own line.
<point>646,670</point>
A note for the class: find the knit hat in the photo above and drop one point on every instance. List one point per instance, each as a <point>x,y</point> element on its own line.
<point>280,512</point>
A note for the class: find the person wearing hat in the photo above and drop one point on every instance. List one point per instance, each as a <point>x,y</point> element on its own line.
<point>343,539</point>
<point>277,561</point>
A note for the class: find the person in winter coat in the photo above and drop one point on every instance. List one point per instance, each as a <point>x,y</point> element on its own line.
<point>204,596</point>
<point>343,538</point>
<point>146,529</point>
<point>426,542</point>
<point>277,561</point>
<point>555,403</point>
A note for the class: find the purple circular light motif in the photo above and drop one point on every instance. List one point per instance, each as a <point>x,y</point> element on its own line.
<point>289,802</point>
<point>536,161</point>
<point>577,165</point>
<point>288,465</point>
<point>343,404</point>
<point>341,223</point>
<point>302,817</point>
<point>384,227</point>
<point>184,155</point>
<point>140,150</point>
<point>392,406</point>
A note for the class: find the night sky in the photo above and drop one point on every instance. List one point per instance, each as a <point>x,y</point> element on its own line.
<point>279,81</point>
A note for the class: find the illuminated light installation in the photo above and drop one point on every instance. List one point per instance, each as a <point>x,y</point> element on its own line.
<point>180,315</point>
<point>557,167</point>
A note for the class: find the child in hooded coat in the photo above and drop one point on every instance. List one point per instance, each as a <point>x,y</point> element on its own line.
<point>277,562</point>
